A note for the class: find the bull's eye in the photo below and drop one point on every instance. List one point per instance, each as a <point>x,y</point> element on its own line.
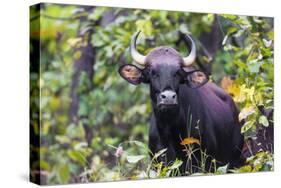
<point>176,74</point>
<point>154,74</point>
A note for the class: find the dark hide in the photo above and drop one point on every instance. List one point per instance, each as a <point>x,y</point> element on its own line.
<point>211,110</point>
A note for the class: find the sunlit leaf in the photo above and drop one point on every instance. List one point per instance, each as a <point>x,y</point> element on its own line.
<point>77,156</point>
<point>263,120</point>
<point>63,173</point>
<point>247,126</point>
<point>159,153</point>
<point>45,127</point>
<point>145,26</point>
<point>232,30</point>
<point>254,66</point>
<point>74,42</point>
<point>246,112</point>
<point>235,91</point>
<point>54,103</point>
<point>246,168</point>
<point>44,165</point>
<point>77,55</point>
<point>135,158</point>
<point>222,169</point>
<point>176,164</point>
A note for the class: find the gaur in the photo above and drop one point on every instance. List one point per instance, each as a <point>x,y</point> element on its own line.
<point>185,104</point>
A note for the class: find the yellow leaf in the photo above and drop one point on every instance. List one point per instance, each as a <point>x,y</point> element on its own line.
<point>250,92</point>
<point>189,141</point>
<point>232,88</point>
<point>54,103</point>
<point>77,55</point>
<point>235,92</point>
<point>144,25</point>
<point>45,127</point>
<point>74,42</point>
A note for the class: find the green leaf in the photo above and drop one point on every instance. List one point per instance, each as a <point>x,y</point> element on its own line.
<point>97,14</point>
<point>240,64</point>
<point>138,143</point>
<point>254,66</point>
<point>135,158</point>
<point>145,26</point>
<point>75,131</point>
<point>77,156</point>
<point>159,153</point>
<point>97,40</point>
<point>232,30</point>
<point>270,35</point>
<point>176,164</point>
<point>248,125</point>
<point>63,174</point>
<point>222,169</point>
<point>264,121</point>
<point>229,16</point>
<point>266,52</point>
<point>44,165</point>
<point>63,139</point>
<point>246,168</point>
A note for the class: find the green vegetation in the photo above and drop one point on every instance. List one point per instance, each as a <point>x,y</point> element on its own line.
<point>94,125</point>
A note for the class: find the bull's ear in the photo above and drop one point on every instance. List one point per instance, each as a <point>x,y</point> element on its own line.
<point>196,79</point>
<point>131,73</point>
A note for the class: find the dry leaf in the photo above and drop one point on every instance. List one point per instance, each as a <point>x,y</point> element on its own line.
<point>226,82</point>
<point>190,140</point>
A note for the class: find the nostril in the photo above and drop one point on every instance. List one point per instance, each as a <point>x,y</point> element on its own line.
<point>163,96</point>
<point>174,96</point>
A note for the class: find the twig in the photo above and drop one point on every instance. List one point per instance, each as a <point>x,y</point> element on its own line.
<point>57,18</point>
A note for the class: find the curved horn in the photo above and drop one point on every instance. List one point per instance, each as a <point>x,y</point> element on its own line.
<point>137,57</point>
<point>188,61</point>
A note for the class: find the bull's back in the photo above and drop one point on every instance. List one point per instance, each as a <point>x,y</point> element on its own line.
<point>218,116</point>
<point>209,102</point>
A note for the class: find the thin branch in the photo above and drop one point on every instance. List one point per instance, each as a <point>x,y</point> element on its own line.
<point>62,18</point>
<point>205,51</point>
<point>57,18</point>
<point>220,26</point>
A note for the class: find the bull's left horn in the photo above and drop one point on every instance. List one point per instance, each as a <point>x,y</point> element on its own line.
<point>137,57</point>
<point>188,61</point>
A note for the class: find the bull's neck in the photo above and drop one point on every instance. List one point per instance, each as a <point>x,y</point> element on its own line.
<point>171,125</point>
<point>169,116</point>
<point>170,121</point>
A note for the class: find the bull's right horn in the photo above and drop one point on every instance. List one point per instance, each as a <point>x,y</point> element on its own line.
<point>137,57</point>
<point>188,61</point>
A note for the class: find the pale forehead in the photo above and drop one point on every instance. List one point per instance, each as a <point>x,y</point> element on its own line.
<point>164,56</point>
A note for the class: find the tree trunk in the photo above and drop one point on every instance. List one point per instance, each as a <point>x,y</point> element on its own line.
<point>210,44</point>
<point>84,63</point>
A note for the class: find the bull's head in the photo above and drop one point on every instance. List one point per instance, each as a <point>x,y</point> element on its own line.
<point>164,69</point>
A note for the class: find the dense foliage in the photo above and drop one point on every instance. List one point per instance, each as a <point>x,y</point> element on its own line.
<point>94,125</point>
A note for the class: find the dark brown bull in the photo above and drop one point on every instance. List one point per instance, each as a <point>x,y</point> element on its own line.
<point>185,105</point>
